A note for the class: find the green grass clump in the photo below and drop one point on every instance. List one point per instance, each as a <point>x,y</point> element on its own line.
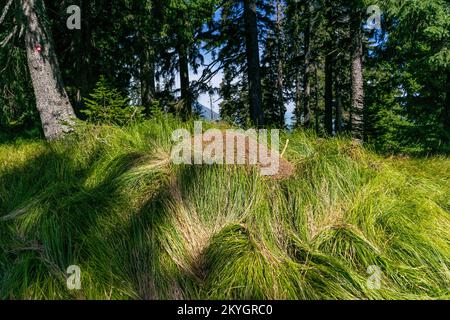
<point>110,201</point>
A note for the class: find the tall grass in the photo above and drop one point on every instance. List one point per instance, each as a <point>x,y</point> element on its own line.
<point>110,201</point>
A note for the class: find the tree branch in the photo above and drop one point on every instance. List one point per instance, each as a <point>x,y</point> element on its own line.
<point>5,11</point>
<point>8,38</point>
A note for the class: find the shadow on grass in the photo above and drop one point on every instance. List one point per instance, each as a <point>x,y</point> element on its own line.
<point>48,217</point>
<point>56,212</point>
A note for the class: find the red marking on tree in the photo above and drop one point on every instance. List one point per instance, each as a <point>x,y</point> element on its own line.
<point>38,48</point>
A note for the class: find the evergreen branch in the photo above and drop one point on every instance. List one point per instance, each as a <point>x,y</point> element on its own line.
<point>5,11</point>
<point>8,38</point>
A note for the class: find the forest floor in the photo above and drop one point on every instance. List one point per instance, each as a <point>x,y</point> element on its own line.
<point>349,224</point>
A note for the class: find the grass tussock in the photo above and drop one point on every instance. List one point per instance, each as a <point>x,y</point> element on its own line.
<point>110,201</point>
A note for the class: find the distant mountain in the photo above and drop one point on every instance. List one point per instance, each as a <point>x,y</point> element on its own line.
<point>205,112</point>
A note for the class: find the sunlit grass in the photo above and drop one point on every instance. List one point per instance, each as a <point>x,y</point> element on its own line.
<point>110,201</point>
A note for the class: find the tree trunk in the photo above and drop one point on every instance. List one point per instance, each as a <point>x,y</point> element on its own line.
<point>186,96</point>
<point>86,80</point>
<point>316,98</point>
<point>338,107</point>
<point>329,66</point>
<point>280,71</point>
<point>329,94</point>
<point>307,75</point>
<point>298,100</point>
<point>148,55</point>
<point>253,63</point>
<point>148,87</point>
<point>446,111</point>
<point>56,112</point>
<point>357,118</point>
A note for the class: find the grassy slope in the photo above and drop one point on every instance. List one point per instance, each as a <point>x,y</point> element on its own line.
<point>140,227</point>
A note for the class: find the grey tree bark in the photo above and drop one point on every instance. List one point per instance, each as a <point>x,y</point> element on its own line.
<point>253,62</point>
<point>357,112</point>
<point>56,112</point>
